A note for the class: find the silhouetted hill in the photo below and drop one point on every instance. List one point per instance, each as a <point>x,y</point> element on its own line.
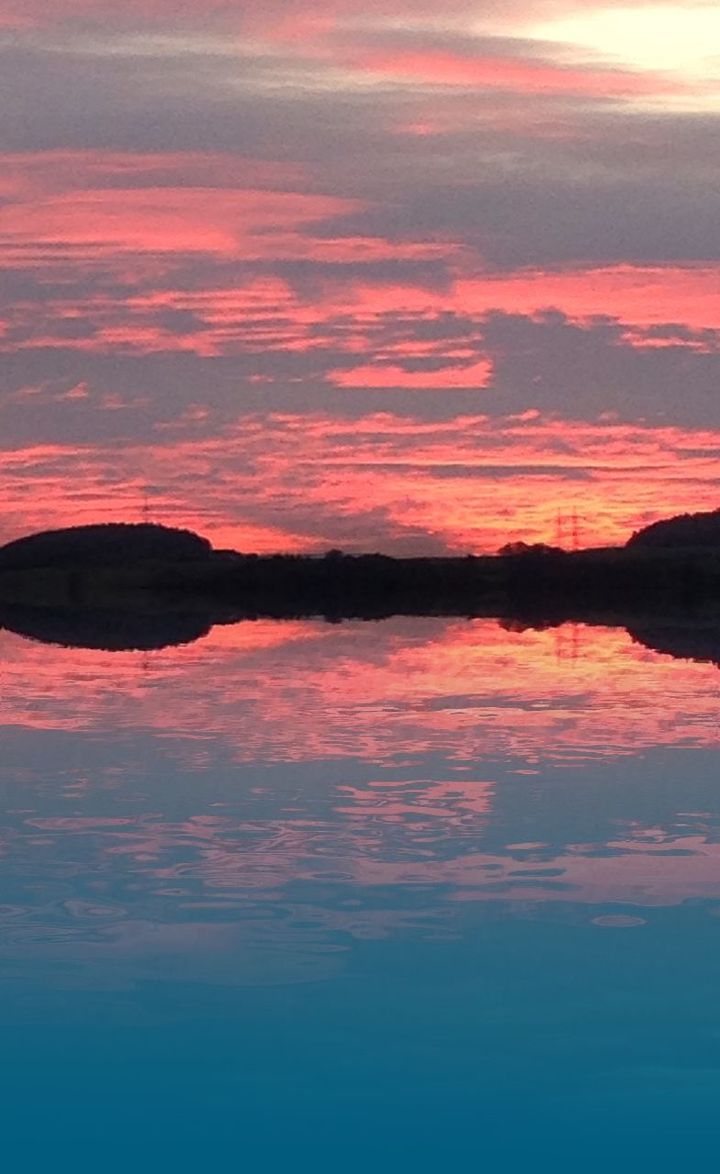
<point>682,532</point>
<point>107,544</point>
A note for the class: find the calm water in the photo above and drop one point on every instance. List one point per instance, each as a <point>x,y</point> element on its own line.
<point>310,897</point>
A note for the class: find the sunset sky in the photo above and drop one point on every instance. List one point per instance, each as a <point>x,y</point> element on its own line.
<point>409,276</point>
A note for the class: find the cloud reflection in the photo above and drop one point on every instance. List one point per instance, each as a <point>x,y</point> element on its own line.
<point>248,806</point>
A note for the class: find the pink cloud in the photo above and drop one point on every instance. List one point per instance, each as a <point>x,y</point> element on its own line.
<point>302,481</point>
<point>93,223</point>
<point>473,375</point>
<point>521,76</point>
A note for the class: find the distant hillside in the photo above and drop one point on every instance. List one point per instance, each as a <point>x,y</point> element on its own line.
<point>109,544</point>
<point>682,532</point>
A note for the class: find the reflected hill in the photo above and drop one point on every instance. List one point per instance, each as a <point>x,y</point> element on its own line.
<point>105,629</point>
<point>114,630</point>
<point>697,641</point>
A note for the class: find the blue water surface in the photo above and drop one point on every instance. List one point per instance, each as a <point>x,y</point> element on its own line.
<point>418,894</point>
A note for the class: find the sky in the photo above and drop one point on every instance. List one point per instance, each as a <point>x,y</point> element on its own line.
<point>406,277</point>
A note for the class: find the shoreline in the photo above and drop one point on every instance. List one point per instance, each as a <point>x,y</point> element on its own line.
<point>668,600</point>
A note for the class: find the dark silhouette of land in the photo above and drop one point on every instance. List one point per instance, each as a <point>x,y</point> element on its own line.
<point>104,544</point>
<point>687,531</point>
<point>104,628</point>
<point>147,586</point>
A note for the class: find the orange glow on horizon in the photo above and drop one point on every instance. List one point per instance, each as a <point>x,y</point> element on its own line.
<point>400,485</point>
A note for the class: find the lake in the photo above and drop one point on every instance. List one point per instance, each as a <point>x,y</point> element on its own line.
<point>306,896</point>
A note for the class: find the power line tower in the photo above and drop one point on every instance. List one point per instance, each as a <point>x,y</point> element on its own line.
<point>148,505</point>
<point>559,529</point>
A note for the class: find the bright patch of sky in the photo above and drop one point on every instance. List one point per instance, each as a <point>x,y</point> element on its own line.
<point>676,39</point>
